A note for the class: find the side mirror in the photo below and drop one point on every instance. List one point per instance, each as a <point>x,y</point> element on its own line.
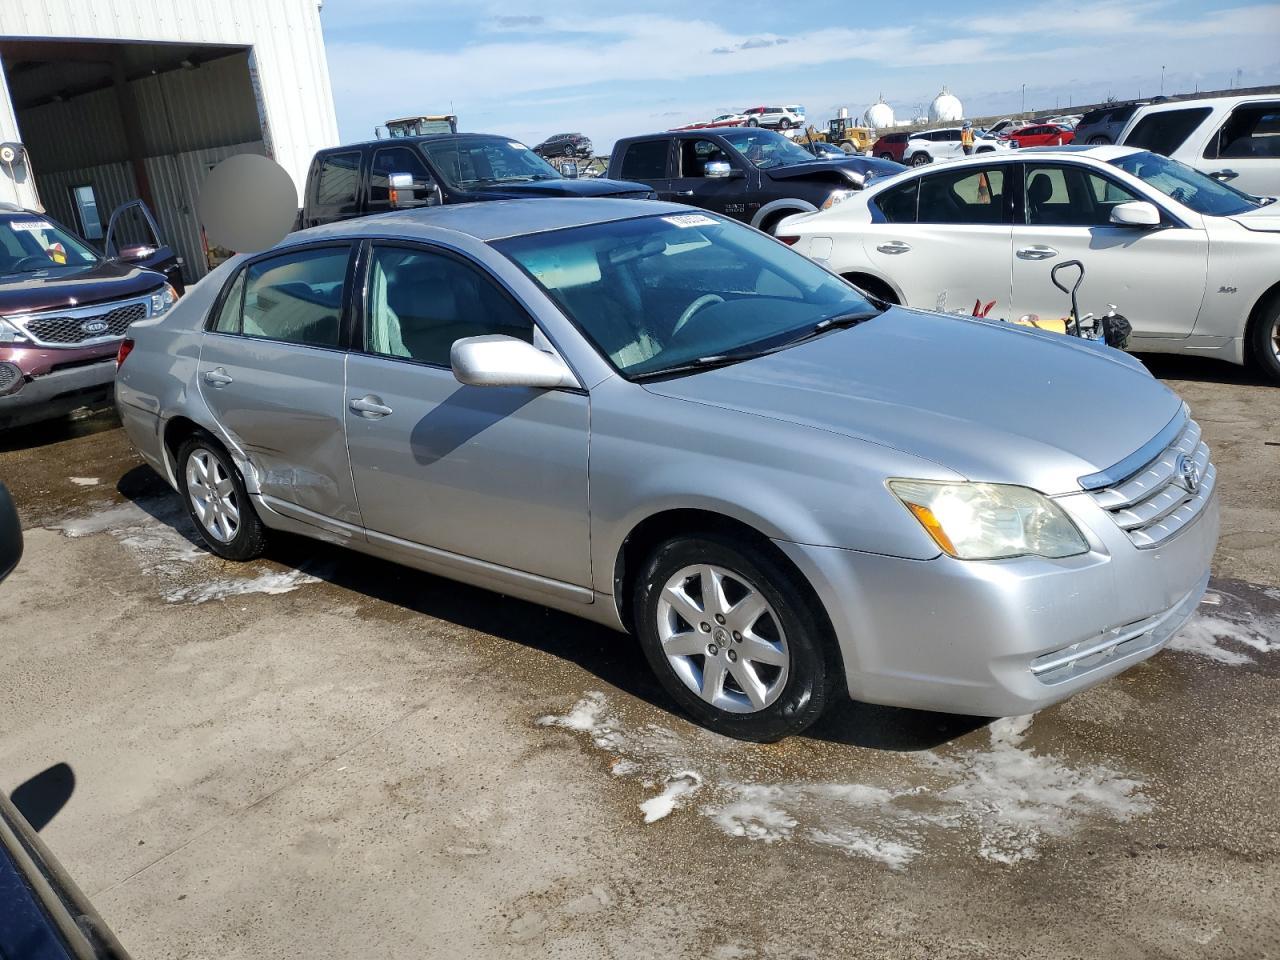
<point>1135,213</point>
<point>498,361</point>
<point>717,169</point>
<point>402,192</point>
<point>10,534</point>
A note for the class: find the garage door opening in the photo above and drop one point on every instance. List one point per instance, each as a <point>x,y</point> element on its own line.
<point>107,122</point>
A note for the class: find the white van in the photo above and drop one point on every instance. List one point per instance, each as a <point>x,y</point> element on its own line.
<point>1232,139</point>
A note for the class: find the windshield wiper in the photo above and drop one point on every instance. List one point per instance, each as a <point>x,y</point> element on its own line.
<point>844,320</point>
<point>700,363</point>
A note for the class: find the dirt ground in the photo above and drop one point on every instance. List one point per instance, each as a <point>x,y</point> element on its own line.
<point>323,755</point>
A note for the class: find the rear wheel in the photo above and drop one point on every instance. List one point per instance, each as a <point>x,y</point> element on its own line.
<point>753,122</point>
<point>1264,339</point>
<point>570,150</point>
<point>217,501</point>
<point>1099,141</point>
<point>732,636</point>
<point>886,156</point>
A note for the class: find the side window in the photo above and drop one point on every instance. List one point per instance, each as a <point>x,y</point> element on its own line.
<point>646,160</point>
<point>389,160</point>
<point>297,297</point>
<point>899,204</point>
<point>953,135</point>
<point>1166,130</point>
<point>696,154</point>
<point>1252,130</point>
<point>421,302</point>
<point>338,178</point>
<point>228,319</point>
<point>963,196</point>
<point>1068,196</point>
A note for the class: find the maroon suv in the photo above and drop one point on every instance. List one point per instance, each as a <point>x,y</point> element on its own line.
<point>890,146</point>
<point>64,310</point>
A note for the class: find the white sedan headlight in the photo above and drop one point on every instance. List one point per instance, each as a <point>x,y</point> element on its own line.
<point>837,196</point>
<point>990,521</point>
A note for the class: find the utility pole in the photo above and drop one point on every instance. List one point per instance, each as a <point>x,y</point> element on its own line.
<point>1024,98</point>
<point>1162,79</point>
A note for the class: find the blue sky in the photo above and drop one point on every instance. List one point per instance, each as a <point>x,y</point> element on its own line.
<point>527,69</point>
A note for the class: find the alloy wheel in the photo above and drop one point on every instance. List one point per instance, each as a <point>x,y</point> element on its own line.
<point>1275,336</point>
<point>213,495</point>
<point>722,638</point>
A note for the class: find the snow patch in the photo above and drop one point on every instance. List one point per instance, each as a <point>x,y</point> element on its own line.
<point>1218,636</point>
<point>1004,799</point>
<point>268,583</point>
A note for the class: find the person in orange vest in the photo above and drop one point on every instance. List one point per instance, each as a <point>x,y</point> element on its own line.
<point>966,138</point>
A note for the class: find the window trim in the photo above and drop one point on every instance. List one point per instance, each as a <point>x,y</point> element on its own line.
<point>360,304</point>
<point>344,318</point>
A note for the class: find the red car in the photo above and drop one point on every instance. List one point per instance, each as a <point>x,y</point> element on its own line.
<point>1040,135</point>
<point>891,146</point>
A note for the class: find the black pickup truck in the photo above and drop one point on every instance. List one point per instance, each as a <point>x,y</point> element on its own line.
<point>380,175</point>
<point>754,175</point>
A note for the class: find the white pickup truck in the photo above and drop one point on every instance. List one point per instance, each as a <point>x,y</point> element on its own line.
<point>1232,139</point>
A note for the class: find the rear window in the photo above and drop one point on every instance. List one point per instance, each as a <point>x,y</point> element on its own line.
<point>1167,130</point>
<point>646,160</point>
<point>337,181</point>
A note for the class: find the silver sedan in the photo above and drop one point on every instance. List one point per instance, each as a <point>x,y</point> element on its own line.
<point>674,425</point>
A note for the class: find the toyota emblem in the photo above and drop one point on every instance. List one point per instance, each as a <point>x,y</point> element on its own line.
<point>1189,473</point>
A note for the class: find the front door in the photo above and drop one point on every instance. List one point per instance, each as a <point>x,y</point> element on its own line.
<point>946,244</point>
<point>271,371</point>
<point>1065,214</point>
<point>691,185</point>
<point>497,474</point>
<point>133,237</point>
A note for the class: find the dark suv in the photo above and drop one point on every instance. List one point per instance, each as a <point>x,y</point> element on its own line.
<point>564,145</point>
<point>381,175</point>
<point>64,310</point>
<point>1104,125</point>
<point>754,175</point>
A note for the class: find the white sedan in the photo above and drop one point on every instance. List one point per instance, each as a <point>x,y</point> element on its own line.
<point>1192,263</point>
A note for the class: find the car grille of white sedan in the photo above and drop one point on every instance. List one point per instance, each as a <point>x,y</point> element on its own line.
<point>1165,495</point>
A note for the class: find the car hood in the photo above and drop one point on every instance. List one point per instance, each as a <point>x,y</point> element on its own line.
<point>817,168</point>
<point>987,400</point>
<point>567,187</point>
<point>79,286</point>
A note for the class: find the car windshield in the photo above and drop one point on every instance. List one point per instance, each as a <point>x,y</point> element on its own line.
<point>29,243</point>
<point>674,292</point>
<point>767,149</point>
<point>1189,187</point>
<point>480,161</point>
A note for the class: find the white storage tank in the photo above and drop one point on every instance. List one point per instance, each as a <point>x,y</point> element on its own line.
<point>879,115</point>
<point>945,108</point>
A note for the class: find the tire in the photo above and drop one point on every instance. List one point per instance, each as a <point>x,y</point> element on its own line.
<point>227,524</point>
<point>784,124</point>
<point>570,150</point>
<point>1264,339</point>
<point>920,159</point>
<point>1099,141</point>
<point>753,122</point>
<point>886,156</point>
<point>798,665</point>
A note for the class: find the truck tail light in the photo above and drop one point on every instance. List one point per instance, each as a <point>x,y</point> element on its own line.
<point>789,241</point>
<point>126,348</point>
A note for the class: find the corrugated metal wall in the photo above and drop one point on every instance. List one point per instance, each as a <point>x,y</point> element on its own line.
<point>180,110</point>
<point>113,184</point>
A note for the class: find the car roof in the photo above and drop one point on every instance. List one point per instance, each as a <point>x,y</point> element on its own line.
<point>422,137</point>
<point>489,220</point>
<point>1225,102</point>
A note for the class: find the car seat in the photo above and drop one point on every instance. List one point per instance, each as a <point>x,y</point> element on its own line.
<point>1039,190</point>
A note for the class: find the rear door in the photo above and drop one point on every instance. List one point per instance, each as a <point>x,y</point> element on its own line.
<point>1064,214</point>
<point>648,161</point>
<point>1244,150</point>
<point>947,242</point>
<point>271,371</point>
<point>690,184</point>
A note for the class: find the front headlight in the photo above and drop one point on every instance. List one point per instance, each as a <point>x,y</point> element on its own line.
<point>990,521</point>
<point>162,301</point>
<point>10,333</point>
<point>837,196</point>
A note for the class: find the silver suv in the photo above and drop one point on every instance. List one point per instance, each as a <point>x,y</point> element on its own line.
<point>670,423</point>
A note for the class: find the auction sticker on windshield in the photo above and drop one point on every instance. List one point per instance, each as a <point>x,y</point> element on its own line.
<point>690,220</point>
<point>29,225</point>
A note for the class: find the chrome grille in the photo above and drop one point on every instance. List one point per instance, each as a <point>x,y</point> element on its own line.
<point>83,326</point>
<point>1154,503</point>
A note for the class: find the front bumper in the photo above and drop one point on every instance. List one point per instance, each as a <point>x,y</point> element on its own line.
<point>58,392</point>
<point>1003,638</point>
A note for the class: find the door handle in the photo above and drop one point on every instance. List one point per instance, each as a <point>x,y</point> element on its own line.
<point>370,407</point>
<point>1037,252</point>
<point>684,193</point>
<point>218,377</point>
<point>893,246</point>
<point>1224,175</point>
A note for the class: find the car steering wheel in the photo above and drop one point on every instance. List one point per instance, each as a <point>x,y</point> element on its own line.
<point>34,260</point>
<point>706,300</point>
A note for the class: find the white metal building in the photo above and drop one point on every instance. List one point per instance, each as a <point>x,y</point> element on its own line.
<point>113,100</point>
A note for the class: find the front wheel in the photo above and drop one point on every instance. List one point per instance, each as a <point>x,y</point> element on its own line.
<point>753,122</point>
<point>733,638</point>
<point>1099,141</point>
<point>217,501</point>
<point>1264,340</point>
<point>920,159</point>
<point>886,156</point>
<point>570,150</point>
